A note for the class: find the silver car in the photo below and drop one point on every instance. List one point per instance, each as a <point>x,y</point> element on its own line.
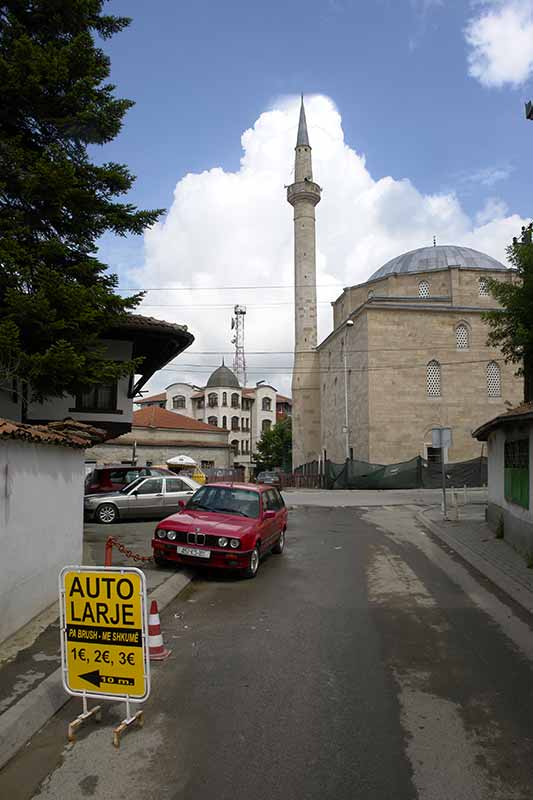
<point>143,497</point>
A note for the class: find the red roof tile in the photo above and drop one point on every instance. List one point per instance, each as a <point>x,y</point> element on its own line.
<point>155,417</point>
<point>524,412</point>
<point>65,433</point>
<point>152,399</point>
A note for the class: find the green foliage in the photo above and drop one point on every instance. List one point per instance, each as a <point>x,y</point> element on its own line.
<point>274,449</point>
<point>56,298</point>
<point>511,327</point>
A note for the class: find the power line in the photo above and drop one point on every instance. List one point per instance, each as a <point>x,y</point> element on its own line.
<point>225,288</point>
<point>205,368</point>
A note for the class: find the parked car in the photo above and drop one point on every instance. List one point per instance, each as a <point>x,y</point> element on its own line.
<point>114,477</point>
<point>155,496</point>
<point>269,478</point>
<point>224,525</point>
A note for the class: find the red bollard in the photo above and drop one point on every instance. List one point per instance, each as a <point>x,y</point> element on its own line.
<point>108,562</point>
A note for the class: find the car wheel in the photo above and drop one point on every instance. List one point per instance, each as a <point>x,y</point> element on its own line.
<point>280,544</point>
<point>253,566</point>
<point>106,513</point>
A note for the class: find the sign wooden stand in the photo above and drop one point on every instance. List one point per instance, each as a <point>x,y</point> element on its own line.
<point>83,717</point>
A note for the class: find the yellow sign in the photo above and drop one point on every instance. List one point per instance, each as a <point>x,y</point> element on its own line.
<point>104,632</point>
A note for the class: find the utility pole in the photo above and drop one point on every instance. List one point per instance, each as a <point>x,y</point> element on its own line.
<point>349,324</point>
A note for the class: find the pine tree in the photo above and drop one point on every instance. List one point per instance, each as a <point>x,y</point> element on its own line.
<point>512,325</point>
<point>56,298</point>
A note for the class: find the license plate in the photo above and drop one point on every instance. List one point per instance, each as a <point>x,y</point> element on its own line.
<point>193,551</point>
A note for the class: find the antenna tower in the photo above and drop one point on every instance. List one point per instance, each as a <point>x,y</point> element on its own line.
<point>239,360</point>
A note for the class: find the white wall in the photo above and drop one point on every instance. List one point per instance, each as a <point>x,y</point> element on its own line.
<point>496,474</point>
<point>61,407</point>
<point>41,526</point>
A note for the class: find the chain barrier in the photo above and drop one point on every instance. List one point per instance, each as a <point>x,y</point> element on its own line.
<point>112,542</point>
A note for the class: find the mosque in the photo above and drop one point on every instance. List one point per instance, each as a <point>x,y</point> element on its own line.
<point>407,352</point>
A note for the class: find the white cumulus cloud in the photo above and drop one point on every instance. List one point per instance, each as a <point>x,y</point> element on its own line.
<point>500,38</point>
<point>235,229</point>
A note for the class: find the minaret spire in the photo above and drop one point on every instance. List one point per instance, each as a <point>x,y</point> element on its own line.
<point>303,137</point>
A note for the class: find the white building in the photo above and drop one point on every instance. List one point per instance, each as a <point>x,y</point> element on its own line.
<point>245,412</point>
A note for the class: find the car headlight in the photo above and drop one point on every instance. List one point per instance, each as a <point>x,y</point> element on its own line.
<point>234,543</point>
<point>222,542</point>
<point>161,533</point>
<point>171,535</point>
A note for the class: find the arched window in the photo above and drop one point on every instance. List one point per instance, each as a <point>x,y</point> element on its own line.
<point>212,399</point>
<point>462,337</point>
<point>224,398</point>
<point>235,446</point>
<point>433,379</point>
<point>178,401</point>
<point>235,400</point>
<point>224,422</point>
<point>423,289</point>
<point>212,421</point>
<point>235,423</point>
<point>267,404</point>
<point>494,379</point>
<point>266,425</point>
<point>483,287</point>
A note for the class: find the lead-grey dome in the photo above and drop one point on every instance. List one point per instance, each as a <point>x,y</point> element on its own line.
<point>223,377</point>
<point>426,259</point>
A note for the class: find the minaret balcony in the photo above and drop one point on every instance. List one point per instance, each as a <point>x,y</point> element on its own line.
<point>303,190</point>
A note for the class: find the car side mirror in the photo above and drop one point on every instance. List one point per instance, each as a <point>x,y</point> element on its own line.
<point>270,514</point>
<point>182,503</point>
<point>135,493</point>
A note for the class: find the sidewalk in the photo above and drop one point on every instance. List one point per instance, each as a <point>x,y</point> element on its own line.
<point>474,541</point>
<point>31,689</point>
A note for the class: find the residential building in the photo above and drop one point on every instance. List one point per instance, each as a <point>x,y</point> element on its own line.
<point>246,412</point>
<point>509,438</point>
<point>157,435</point>
<point>108,406</point>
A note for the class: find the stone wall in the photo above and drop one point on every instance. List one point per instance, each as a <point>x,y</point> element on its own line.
<point>159,453</point>
<point>401,413</point>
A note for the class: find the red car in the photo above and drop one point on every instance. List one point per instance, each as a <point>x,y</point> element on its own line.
<point>225,525</point>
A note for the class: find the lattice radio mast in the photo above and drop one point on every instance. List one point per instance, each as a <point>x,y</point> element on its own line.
<point>239,360</point>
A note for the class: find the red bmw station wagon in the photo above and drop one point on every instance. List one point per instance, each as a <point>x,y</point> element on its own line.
<point>225,525</point>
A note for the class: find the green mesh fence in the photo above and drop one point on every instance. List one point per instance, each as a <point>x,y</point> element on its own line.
<point>414,474</point>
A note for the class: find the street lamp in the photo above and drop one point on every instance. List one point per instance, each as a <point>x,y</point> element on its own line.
<point>349,324</point>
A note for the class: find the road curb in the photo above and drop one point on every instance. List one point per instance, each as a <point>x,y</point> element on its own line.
<point>520,594</point>
<point>23,719</point>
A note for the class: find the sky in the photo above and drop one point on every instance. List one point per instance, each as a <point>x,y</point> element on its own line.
<point>415,110</point>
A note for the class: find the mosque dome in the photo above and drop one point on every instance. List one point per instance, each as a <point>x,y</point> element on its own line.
<point>223,378</point>
<point>426,259</point>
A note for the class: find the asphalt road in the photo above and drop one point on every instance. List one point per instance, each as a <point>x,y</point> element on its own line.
<point>365,662</point>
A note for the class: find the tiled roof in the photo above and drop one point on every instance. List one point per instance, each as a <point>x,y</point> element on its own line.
<point>178,443</point>
<point>67,433</point>
<point>522,412</point>
<point>140,322</point>
<point>280,398</point>
<point>155,417</point>
<point>154,398</point>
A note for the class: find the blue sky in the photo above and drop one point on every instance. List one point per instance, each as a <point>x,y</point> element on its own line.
<point>397,71</point>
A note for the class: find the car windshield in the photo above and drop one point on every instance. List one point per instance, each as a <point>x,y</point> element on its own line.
<point>225,499</point>
<point>127,489</point>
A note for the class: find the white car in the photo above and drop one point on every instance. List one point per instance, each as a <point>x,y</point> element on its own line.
<point>144,497</point>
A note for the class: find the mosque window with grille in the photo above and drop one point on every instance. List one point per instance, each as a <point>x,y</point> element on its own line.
<point>462,337</point>
<point>423,289</point>
<point>483,287</point>
<point>494,379</point>
<point>433,381</point>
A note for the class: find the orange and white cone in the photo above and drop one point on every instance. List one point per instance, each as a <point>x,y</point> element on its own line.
<point>158,651</point>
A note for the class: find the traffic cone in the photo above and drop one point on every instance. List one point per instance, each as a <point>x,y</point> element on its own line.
<point>158,651</point>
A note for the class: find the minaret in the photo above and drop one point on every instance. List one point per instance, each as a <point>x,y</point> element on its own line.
<point>304,195</point>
